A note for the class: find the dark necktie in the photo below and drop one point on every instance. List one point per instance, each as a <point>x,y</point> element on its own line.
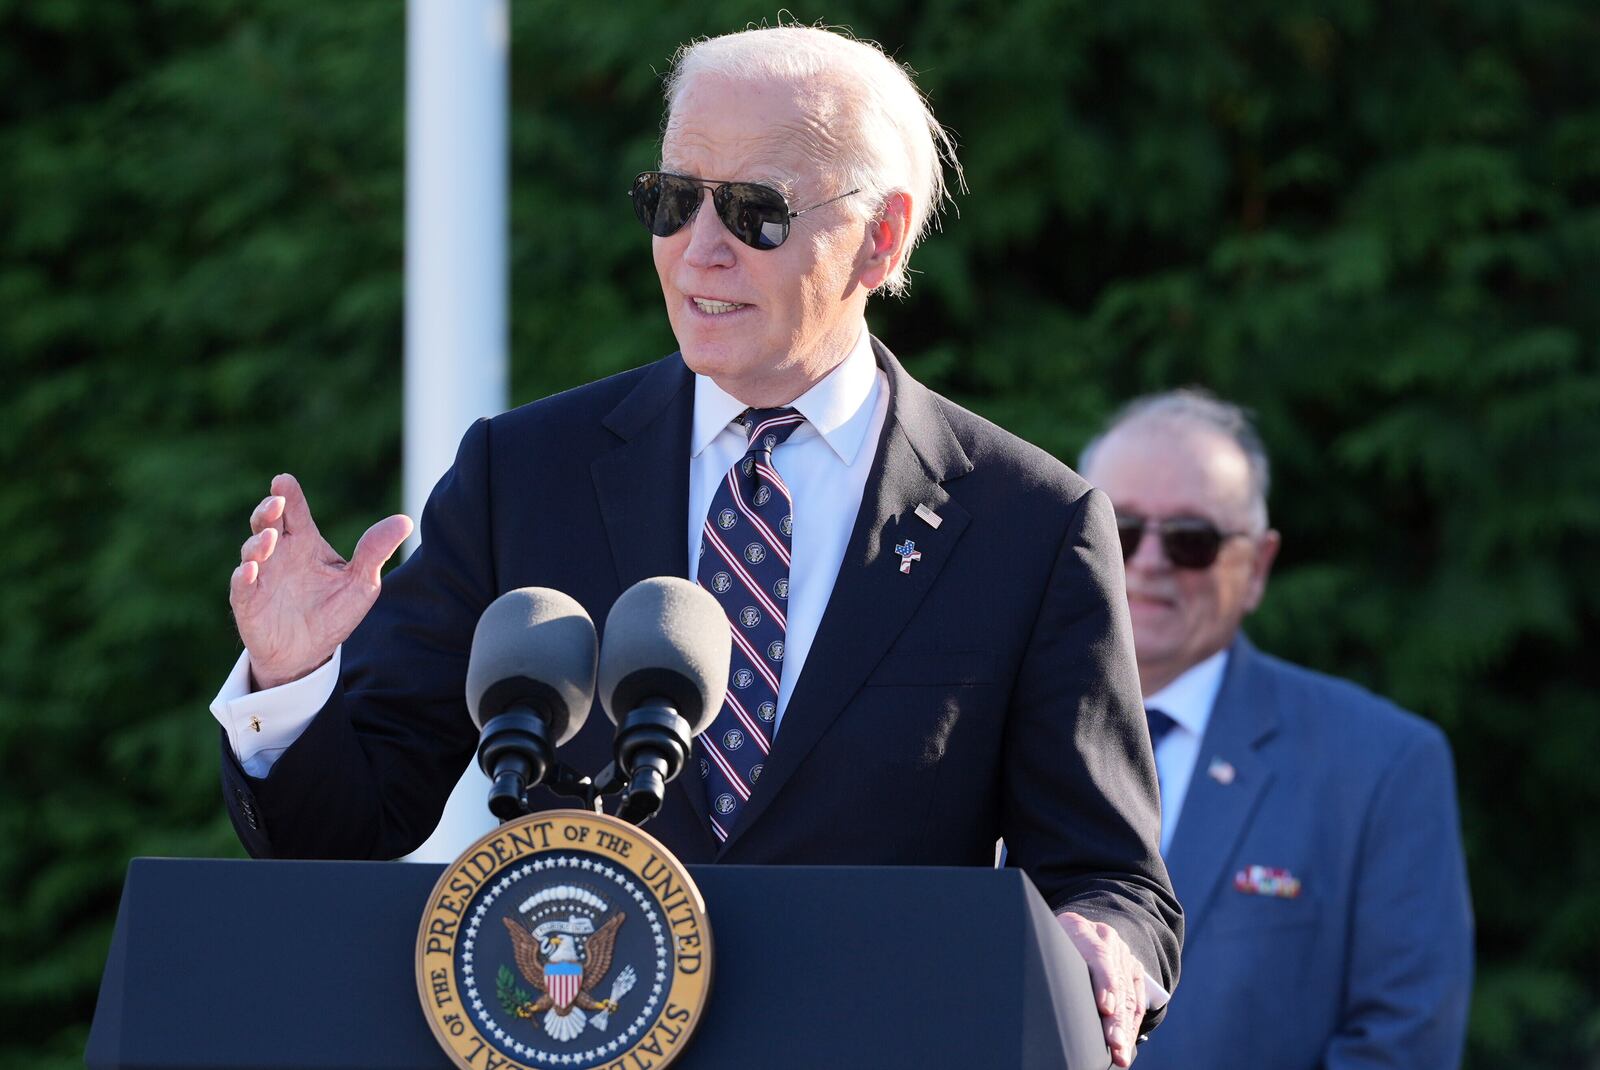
<point>1160,724</point>
<point>744,562</point>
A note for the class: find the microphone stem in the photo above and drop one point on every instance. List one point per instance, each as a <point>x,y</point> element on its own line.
<point>506,796</point>
<point>646,790</point>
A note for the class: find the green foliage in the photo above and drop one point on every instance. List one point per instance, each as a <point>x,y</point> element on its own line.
<point>200,288</point>
<point>1376,224</point>
<point>512,996</point>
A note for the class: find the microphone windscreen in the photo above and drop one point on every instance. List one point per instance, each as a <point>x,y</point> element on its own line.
<point>666,638</point>
<point>534,647</point>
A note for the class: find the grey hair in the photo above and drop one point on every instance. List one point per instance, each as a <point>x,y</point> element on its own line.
<point>892,141</point>
<point>1198,407</point>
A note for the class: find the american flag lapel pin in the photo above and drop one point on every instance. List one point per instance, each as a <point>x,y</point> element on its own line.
<point>1221,771</point>
<point>908,553</point>
<point>929,517</point>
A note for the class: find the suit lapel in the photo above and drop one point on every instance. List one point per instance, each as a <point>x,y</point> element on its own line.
<point>1217,810</point>
<point>872,599</point>
<point>643,484</point>
<point>643,490</point>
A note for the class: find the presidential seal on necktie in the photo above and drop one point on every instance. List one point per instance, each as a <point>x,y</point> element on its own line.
<point>565,939</point>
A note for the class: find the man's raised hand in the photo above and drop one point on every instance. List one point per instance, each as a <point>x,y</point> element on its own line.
<point>294,599</point>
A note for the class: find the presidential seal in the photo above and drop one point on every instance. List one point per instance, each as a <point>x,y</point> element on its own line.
<point>568,940</point>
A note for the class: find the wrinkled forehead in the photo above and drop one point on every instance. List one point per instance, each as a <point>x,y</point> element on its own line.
<point>787,134</point>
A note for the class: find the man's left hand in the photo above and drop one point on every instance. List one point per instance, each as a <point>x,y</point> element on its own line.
<point>1118,981</point>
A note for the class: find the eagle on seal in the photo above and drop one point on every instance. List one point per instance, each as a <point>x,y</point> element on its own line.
<point>564,962</point>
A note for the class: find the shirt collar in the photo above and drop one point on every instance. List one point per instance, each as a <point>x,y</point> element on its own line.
<point>1189,698</point>
<point>839,407</point>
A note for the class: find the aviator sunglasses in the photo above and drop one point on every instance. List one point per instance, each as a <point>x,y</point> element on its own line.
<point>1188,541</point>
<point>757,215</point>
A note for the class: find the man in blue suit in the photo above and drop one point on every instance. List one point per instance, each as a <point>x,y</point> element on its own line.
<point>932,647</point>
<point>1309,826</point>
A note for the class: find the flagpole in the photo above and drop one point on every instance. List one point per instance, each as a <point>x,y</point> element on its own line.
<point>456,273</point>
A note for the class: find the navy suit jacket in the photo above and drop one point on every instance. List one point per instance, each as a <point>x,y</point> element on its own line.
<point>991,690</point>
<point>1371,964</point>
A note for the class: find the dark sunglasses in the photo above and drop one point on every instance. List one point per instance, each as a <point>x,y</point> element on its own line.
<point>756,214</point>
<point>1188,541</point>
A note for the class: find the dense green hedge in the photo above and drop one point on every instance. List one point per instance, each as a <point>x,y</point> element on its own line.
<point>1378,224</point>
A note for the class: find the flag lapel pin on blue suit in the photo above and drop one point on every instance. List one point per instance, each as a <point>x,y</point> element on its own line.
<point>929,517</point>
<point>1221,771</point>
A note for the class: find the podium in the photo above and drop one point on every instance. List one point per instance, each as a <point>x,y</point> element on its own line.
<point>283,965</point>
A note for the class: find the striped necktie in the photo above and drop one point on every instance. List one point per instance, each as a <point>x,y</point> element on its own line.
<point>744,562</point>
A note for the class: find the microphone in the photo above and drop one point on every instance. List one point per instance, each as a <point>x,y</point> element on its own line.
<point>663,674</point>
<point>530,683</point>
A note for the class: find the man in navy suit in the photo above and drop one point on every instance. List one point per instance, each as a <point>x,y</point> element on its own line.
<point>1309,826</point>
<point>929,612</point>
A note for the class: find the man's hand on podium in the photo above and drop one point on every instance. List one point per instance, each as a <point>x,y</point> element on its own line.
<point>1118,981</point>
<point>294,599</point>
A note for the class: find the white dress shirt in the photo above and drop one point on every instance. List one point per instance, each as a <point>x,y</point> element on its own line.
<point>824,463</point>
<point>1188,701</point>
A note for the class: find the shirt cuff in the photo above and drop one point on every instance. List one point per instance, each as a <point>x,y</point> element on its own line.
<point>1155,997</point>
<point>263,724</point>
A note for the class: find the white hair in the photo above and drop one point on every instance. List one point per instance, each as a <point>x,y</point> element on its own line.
<point>891,140</point>
<point>1197,407</point>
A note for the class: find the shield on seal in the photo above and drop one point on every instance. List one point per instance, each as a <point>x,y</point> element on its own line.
<point>562,980</point>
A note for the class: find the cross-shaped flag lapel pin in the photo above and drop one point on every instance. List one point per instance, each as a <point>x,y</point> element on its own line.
<point>908,553</point>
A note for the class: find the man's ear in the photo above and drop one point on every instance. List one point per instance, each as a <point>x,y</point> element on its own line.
<point>885,246</point>
<point>1267,545</point>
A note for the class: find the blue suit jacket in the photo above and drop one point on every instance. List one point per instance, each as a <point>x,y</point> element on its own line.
<point>990,690</point>
<point>1371,964</point>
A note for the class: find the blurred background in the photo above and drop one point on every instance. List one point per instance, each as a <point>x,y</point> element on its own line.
<point>1377,224</point>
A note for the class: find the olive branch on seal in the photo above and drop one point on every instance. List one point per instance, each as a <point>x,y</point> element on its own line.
<point>513,997</point>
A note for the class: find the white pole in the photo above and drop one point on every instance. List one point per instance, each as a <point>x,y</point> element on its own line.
<point>456,273</point>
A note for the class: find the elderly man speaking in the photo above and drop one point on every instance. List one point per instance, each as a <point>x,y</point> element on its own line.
<point>935,650</point>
